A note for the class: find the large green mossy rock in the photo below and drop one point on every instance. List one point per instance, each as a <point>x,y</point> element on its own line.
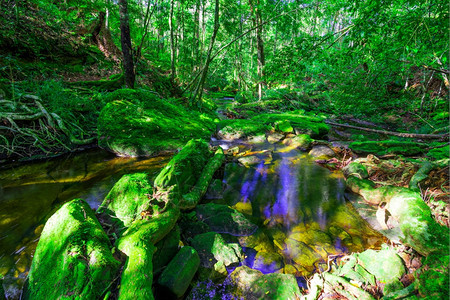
<point>177,276</point>
<point>212,248</point>
<point>302,141</point>
<point>420,231</point>
<point>388,146</point>
<point>301,123</point>
<point>253,284</point>
<point>356,169</point>
<point>73,259</point>
<point>233,129</point>
<point>385,265</point>
<point>185,168</point>
<point>224,219</point>
<point>136,123</point>
<point>127,199</point>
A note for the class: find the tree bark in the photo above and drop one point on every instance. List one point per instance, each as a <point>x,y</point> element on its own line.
<point>172,43</point>
<point>393,133</point>
<point>128,65</point>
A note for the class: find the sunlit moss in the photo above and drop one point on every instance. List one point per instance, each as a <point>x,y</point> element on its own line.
<point>388,146</point>
<point>73,258</point>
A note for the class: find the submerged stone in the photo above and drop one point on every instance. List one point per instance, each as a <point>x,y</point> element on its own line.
<point>212,248</point>
<point>301,253</point>
<point>253,284</point>
<point>215,190</point>
<point>268,262</point>
<point>302,141</point>
<point>275,137</point>
<point>73,259</point>
<point>249,160</point>
<point>177,276</point>
<point>224,219</point>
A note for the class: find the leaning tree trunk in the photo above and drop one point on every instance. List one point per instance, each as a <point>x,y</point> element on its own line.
<point>128,65</point>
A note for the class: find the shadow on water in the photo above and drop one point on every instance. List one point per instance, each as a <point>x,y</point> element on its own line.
<point>300,207</point>
<point>30,193</point>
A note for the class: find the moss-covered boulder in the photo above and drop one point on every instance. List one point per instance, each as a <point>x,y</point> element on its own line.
<point>179,273</point>
<point>212,248</point>
<point>298,120</point>
<point>302,141</point>
<point>128,198</point>
<point>233,129</point>
<point>224,219</point>
<point>137,123</point>
<point>185,168</point>
<point>253,284</point>
<point>73,259</point>
<point>356,168</point>
<point>388,146</point>
<point>385,264</point>
<point>433,277</point>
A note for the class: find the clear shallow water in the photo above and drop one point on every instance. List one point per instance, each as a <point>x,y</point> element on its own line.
<point>300,208</point>
<point>30,193</point>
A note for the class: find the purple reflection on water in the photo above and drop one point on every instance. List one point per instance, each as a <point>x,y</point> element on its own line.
<point>321,218</point>
<point>286,203</point>
<point>338,245</point>
<point>249,186</point>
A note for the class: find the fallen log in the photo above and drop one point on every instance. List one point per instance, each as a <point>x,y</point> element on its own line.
<point>393,133</point>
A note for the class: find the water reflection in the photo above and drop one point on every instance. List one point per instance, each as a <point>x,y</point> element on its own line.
<point>301,208</point>
<point>31,192</point>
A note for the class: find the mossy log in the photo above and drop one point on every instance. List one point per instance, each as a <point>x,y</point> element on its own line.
<point>190,200</point>
<point>73,259</point>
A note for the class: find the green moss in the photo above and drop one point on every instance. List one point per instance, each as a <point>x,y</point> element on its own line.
<point>302,123</point>
<point>439,153</point>
<point>388,146</point>
<point>355,168</point>
<point>433,277</point>
<point>126,200</point>
<point>114,82</point>
<point>138,123</point>
<point>240,128</point>
<point>73,258</point>
<point>185,168</point>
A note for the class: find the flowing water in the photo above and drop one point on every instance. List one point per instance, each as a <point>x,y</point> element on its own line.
<point>30,193</point>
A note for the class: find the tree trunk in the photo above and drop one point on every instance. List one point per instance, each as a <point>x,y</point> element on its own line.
<point>259,45</point>
<point>172,43</point>
<point>128,65</point>
<point>199,90</point>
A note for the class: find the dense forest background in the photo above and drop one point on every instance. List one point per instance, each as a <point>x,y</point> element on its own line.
<point>382,60</point>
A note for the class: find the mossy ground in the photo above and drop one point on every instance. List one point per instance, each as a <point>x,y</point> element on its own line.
<point>388,146</point>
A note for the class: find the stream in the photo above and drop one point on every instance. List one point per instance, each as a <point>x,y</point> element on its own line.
<point>299,206</point>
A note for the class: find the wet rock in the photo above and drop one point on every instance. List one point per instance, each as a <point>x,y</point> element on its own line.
<point>73,258</point>
<point>258,241</point>
<point>385,265</point>
<point>224,219</point>
<point>244,207</point>
<point>249,160</point>
<point>257,139</point>
<point>215,190</point>
<point>302,141</point>
<point>212,248</point>
<point>268,262</point>
<point>253,284</point>
<point>355,168</point>
<point>322,152</point>
<point>177,276</point>
<point>275,137</point>
<point>301,253</point>
<point>166,249</point>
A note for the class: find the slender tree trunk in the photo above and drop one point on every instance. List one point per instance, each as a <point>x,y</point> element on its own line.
<point>199,90</point>
<point>259,45</point>
<point>172,43</point>
<point>128,66</point>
